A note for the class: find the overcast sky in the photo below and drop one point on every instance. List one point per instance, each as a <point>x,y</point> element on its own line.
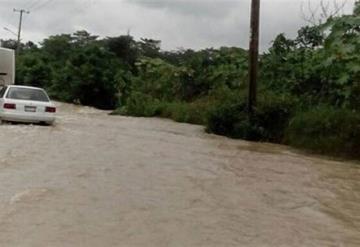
<point>178,23</point>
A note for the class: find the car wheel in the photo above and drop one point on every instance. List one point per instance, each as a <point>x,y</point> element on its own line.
<point>49,123</point>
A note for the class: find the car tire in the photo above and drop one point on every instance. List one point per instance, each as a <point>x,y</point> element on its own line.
<point>50,123</point>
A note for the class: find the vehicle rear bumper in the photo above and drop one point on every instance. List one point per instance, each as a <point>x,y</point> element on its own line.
<point>27,118</point>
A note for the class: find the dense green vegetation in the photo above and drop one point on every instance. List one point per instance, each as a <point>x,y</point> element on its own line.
<point>309,94</point>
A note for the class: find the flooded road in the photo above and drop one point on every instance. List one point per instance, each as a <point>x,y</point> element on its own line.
<point>96,180</point>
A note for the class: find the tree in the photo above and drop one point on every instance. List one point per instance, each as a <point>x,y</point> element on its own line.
<point>58,48</point>
<point>32,70</point>
<point>124,47</point>
<point>82,38</point>
<point>319,14</point>
<point>9,43</point>
<point>310,37</point>
<point>357,8</point>
<point>149,48</point>
<point>88,77</point>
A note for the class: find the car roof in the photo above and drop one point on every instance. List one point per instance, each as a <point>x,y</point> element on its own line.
<point>27,87</point>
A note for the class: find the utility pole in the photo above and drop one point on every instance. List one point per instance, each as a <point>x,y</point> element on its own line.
<point>21,11</point>
<point>254,54</point>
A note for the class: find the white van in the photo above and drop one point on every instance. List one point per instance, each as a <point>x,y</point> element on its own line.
<point>7,67</point>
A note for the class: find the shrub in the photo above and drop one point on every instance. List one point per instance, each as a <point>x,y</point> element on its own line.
<point>194,113</point>
<point>267,123</point>
<point>326,130</point>
<point>273,115</point>
<point>176,111</point>
<point>141,105</point>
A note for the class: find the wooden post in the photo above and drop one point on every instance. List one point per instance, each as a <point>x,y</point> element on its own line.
<point>18,46</point>
<point>254,54</point>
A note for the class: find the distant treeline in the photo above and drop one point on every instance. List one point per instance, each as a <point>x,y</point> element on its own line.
<point>309,92</point>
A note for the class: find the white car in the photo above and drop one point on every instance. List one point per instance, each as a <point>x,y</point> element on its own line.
<point>26,104</point>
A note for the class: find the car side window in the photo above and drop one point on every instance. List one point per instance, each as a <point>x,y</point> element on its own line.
<point>2,92</point>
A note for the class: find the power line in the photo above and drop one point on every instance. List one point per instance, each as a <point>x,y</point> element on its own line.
<point>29,3</point>
<point>10,18</point>
<point>33,4</point>
<point>42,5</point>
<point>87,4</point>
<point>10,31</point>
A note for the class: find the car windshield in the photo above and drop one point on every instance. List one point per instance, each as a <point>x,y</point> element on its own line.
<point>27,94</point>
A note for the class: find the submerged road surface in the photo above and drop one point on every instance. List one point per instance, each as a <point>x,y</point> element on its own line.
<point>96,180</point>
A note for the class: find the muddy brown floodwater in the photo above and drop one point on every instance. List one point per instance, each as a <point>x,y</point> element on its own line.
<point>97,180</point>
